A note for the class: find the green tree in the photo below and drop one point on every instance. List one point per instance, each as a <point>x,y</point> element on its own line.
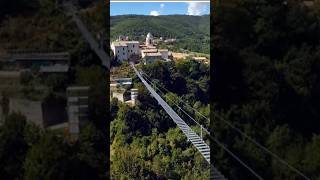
<point>46,159</point>
<point>114,107</point>
<point>92,152</point>
<point>126,164</point>
<point>13,146</point>
<point>311,162</point>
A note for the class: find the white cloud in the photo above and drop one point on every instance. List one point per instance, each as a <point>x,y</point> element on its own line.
<point>157,13</point>
<point>154,13</point>
<point>197,8</point>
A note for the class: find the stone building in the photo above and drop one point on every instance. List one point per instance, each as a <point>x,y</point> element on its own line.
<point>124,50</point>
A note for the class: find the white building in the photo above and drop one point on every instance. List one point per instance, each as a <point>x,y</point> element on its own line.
<point>170,40</point>
<point>119,94</point>
<point>164,53</point>
<point>123,50</point>
<point>114,82</point>
<point>133,48</point>
<point>150,53</point>
<point>149,40</point>
<point>120,50</point>
<point>152,57</point>
<point>134,97</point>
<point>144,52</point>
<point>120,89</point>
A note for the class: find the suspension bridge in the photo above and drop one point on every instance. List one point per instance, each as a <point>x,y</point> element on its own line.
<point>193,137</point>
<point>196,140</point>
<point>214,173</point>
<point>94,45</point>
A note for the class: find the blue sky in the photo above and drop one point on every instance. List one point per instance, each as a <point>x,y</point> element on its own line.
<point>159,8</point>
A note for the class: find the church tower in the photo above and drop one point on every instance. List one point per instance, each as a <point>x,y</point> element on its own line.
<point>149,40</point>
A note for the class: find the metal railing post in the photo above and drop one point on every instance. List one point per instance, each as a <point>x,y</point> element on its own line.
<point>188,134</point>
<point>201,132</point>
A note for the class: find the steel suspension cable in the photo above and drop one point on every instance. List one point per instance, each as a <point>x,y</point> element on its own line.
<point>180,108</point>
<point>246,136</point>
<point>179,99</point>
<point>226,149</point>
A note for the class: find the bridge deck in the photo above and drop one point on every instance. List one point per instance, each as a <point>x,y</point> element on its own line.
<point>105,59</point>
<point>197,141</point>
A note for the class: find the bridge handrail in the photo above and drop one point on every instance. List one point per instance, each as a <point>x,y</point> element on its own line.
<point>183,103</point>
<point>201,126</point>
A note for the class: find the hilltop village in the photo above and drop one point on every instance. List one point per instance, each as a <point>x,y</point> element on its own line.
<point>126,50</point>
<point>147,52</point>
<point>140,125</point>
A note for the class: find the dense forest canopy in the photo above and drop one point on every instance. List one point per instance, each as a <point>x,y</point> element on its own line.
<point>192,32</point>
<point>267,83</point>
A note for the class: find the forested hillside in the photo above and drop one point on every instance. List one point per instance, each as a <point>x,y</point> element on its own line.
<point>145,142</point>
<point>192,32</point>
<point>267,83</point>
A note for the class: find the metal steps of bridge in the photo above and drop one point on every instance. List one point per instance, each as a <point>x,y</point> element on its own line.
<point>196,140</point>
<point>193,137</point>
